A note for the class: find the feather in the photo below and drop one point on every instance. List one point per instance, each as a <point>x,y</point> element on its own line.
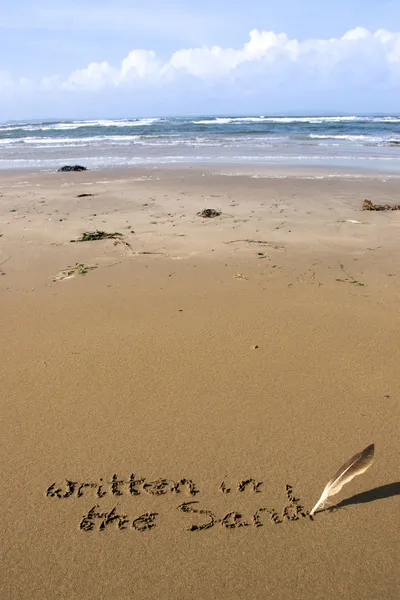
<point>357,465</point>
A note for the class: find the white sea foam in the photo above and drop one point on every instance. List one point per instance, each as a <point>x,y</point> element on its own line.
<point>311,120</point>
<point>73,125</point>
<point>79,141</point>
<point>145,122</point>
<point>119,140</point>
<point>228,120</point>
<point>350,138</point>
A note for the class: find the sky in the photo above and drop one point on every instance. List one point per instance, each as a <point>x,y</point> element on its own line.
<point>124,58</point>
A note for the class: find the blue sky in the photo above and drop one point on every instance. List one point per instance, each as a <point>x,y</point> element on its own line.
<point>124,58</point>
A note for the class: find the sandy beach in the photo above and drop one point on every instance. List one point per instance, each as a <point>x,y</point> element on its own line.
<point>160,390</point>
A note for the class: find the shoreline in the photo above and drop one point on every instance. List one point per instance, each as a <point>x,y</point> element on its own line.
<point>261,169</point>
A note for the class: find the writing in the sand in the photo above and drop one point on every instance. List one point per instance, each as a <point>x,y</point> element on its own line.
<point>134,486</point>
<point>195,517</point>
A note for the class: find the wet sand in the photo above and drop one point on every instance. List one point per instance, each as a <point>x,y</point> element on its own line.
<point>215,360</point>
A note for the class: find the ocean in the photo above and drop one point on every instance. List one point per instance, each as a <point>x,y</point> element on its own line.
<point>356,142</point>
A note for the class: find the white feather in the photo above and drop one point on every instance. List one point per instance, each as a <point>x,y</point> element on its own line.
<point>357,465</point>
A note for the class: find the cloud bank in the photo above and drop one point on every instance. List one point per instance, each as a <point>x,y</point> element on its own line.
<point>359,61</point>
<point>359,58</point>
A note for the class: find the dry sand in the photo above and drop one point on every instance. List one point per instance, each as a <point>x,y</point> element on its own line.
<point>212,360</point>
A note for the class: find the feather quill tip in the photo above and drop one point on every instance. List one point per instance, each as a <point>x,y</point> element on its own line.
<point>356,465</point>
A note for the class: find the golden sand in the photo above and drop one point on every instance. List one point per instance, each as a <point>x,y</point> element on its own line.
<point>243,354</point>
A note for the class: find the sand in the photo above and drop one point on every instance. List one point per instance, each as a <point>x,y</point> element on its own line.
<point>213,361</point>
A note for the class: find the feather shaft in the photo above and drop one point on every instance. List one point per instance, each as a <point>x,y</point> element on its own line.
<point>356,465</point>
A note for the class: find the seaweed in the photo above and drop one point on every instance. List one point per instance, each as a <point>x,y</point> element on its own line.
<point>350,278</point>
<point>368,205</point>
<point>68,168</point>
<point>209,213</point>
<point>93,236</point>
<point>69,272</point>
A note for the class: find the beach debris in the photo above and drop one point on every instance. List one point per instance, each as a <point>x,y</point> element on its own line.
<point>350,278</point>
<point>77,269</point>
<point>93,236</point>
<point>353,221</point>
<point>209,213</point>
<point>2,263</point>
<point>239,276</point>
<point>356,465</point>
<point>256,347</point>
<point>368,205</point>
<point>261,242</point>
<point>68,168</point>
<point>85,195</point>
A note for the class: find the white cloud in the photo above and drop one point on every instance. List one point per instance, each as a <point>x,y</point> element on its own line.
<point>358,51</point>
<point>95,76</point>
<point>140,64</point>
<point>359,59</point>
<point>356,34</point>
